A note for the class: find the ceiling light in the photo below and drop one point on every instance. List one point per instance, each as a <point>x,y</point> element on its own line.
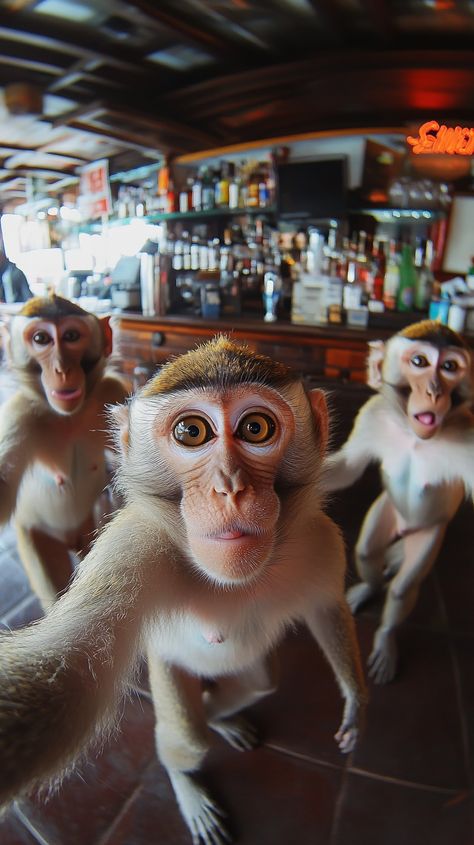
<point>66,9</point>
<point>181,57</point>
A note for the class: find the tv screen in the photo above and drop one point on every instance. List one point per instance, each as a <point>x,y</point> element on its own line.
<point>312,190</point>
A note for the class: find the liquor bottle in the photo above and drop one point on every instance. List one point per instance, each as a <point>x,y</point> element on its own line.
<point>196,192</point>
<point>207,190</point>
<point>221,195</point>
<point>406,288</point>
<point>378,270</point>
<point>234,187</point>
<point>392,278</point>
<point>425,278</point>
<point>253,189</point>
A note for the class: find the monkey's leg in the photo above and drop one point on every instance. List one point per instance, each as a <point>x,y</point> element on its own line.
<point>182,741</point>
<point>421,550</point>
<point>232,694</point>
<point>378,530</point>
<point>46,561</point>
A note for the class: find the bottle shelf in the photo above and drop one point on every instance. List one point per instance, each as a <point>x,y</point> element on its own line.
<point>163,217</point>
<point>405,215</point>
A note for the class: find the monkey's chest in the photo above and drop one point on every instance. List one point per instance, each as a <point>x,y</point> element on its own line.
<point>417,491</point>
<point>214,647</point>
<point>61,486</point>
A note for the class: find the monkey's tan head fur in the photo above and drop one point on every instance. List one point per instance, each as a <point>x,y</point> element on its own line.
<point>226,434</point>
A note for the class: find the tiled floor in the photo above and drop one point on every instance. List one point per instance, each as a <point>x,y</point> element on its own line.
<point>409,782</point>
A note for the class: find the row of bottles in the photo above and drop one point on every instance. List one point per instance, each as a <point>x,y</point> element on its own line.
<point>380,273</point>
<point>224,276</point>
<point>228,186</point>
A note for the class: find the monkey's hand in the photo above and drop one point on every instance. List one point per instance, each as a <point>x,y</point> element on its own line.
<point>349,730</point>
<point>202,815</point>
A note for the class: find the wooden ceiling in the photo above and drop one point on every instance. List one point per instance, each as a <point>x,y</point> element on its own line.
<point>134,81</point>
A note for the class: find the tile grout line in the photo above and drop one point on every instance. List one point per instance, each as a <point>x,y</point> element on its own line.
<point>104,838</point>
<point>25,821</point>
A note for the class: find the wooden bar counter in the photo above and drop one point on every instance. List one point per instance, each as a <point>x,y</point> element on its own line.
<point>326,353</point>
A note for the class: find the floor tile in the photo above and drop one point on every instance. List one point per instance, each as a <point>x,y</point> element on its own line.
<point>413,729</point>
<point>14,832</point>
<point>270,799</point>
<point>88,801</point>
<point>374,812</point>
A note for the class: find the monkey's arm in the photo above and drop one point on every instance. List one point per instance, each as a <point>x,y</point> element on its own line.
<point>62,678</point>
<point>330,621</point>
<point>344,467</point>
<point>16,451</point>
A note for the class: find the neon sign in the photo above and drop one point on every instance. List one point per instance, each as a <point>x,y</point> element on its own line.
<point>436,138</point>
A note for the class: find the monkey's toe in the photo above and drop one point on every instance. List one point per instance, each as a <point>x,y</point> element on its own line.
<point>238,732</point>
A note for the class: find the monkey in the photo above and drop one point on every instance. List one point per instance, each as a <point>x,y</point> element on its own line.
<point>52,435</point>
<point>419,429</point>
<point>220,546</point>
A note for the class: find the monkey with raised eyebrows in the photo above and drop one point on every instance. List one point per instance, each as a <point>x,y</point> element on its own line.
<point>53,435</point>
<point>420,430</point>
<point>220,547</point>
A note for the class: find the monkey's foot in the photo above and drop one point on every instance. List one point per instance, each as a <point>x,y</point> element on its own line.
<point>202,815</point>
<point>358,595</point>
<point>383,660</point>
<point>239,733</point>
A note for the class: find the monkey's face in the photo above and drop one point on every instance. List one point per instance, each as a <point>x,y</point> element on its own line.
<point>225,448</point>
<point>59,348</point>
<point>432,374</point>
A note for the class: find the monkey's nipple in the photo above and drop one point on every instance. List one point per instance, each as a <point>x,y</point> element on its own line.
<point>213,637</point>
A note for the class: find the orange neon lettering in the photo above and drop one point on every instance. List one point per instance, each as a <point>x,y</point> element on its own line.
<point>436,138</point>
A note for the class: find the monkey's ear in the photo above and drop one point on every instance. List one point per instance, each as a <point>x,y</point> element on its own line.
<point>106,330</point>
<point>119,416</point>
<point>319,407</point>
<point>374,363</point>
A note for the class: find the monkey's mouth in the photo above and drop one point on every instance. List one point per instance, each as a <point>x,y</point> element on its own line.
<point>68,394</point>
<point>426,418</point>
<point>229,535</point>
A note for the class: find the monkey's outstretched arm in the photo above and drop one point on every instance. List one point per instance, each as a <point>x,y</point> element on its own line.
<point>62,678</point>
<point>344,467</point>
<point>16,451</point>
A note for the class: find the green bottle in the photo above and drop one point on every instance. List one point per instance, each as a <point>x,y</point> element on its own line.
<point>407,286</point>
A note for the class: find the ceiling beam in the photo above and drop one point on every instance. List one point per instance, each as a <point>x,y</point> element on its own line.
<point>226,45</point>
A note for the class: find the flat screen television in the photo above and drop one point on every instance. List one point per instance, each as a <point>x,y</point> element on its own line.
<point>312,190</point>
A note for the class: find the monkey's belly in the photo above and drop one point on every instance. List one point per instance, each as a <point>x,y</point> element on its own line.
<point>57,501</point>
<point>424,504</point>
<point>186,642</point>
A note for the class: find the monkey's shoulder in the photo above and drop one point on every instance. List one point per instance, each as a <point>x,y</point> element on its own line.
<point>113,388</point>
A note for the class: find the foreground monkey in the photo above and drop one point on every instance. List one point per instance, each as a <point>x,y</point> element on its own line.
<point>220,547</point>
<point>421,432</point>
<point>53,435</point>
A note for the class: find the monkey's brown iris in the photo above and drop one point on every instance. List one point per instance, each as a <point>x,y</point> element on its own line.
<point>193,431</point>
<point>256,428</point>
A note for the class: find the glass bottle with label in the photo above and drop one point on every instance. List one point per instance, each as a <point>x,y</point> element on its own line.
<point>406,288</point>
<point>425,278</point>
<point>392,278</point>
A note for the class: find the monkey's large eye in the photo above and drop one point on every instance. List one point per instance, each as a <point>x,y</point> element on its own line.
<point>42,338</point>
<point>193,431</point>
<point>419,361</point>
<point>256,428</point>
<point>450,365</point>
<point>71,335</point>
